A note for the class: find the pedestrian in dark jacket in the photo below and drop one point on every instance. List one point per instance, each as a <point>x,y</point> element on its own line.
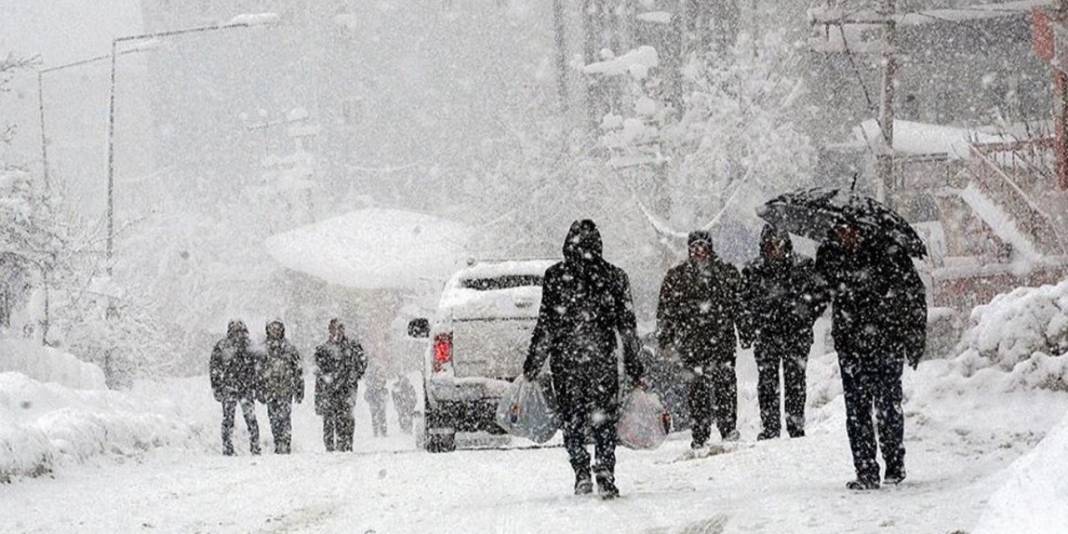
<point>234,372</point>
<point>880,321</point>
<point>586,302</point>
<point>377,394</point>
<point>784,298</point>
<point>700,308</point>
<point>404,402</point>
<point>281,385</point>
<point>339,365</point>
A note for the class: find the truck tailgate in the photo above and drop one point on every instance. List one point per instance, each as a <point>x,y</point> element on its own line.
<point>491,348</point>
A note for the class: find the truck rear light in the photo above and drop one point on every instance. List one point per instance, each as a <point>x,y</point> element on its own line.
<point>442,351</point>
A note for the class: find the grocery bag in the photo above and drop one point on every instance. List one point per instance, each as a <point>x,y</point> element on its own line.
<point>528,410</point>
<point>643,423</point>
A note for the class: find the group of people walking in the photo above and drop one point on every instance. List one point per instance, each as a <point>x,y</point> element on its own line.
<point>707,307</point>
<point>241,375</point>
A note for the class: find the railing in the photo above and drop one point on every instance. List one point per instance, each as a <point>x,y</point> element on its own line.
<point>992,179</point>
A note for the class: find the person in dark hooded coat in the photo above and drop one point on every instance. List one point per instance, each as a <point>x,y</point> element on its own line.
<point>282,384</point>
<point>339,365</point>
<point>784,298</point>
<point>234,372</point>
<point>700,308</point>
<point>586,302</point>
<point>879,322</point>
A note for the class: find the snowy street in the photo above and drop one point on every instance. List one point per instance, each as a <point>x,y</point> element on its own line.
<point>385,266</point>
<point>958,451</point>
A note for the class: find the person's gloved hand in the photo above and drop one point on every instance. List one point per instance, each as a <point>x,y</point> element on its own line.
<point>298,398</point>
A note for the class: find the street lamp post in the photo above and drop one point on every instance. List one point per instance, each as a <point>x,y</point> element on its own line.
<point>241,21</point>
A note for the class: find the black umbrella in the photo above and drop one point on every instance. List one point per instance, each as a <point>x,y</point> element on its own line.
<point>813,213</point>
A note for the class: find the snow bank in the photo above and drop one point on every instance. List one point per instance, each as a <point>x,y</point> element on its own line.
<point>45,364</point>
<point>374,249</point>
<point>637,63</point>
<point>46,425</point>
<point>1024,332</point>
<point>1034,495</point>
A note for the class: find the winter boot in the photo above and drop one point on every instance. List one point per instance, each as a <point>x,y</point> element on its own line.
<point>861,484</point>
<point>606,486</point>
<point>733,435</point>
<point>583,484</point>
<point>764,434</point>
<point>894,475</point>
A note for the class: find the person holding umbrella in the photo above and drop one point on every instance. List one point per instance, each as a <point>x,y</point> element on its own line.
<point>879,313</point>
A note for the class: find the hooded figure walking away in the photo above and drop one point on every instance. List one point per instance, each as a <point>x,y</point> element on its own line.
<point>784,299</point>
<point>700,307</point>
<point>234,372</point>
<point>586,302</point>
<point>339,365</point>
<point>283,384</point>
<point>404,402</point>
<point>880,321</point>
<point>377,395</point>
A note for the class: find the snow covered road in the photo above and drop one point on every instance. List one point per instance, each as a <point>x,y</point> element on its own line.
<point>955,455</point>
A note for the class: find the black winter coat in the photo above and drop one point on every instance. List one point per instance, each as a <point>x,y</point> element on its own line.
<point>338,367</point>
<point>283,374</point>
<point>699,309</point>
<point>783,296</point>
<point>234,369</point>
<point>880,308</point>
<point>585,303</point>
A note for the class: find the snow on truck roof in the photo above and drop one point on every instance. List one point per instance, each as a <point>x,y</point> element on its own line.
<point>498,268</point>
<point>374,248</point>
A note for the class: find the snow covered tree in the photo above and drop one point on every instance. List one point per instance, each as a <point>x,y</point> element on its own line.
<point>736,142</point>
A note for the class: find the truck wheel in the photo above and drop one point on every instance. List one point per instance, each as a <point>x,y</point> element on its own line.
<point>440,440</point>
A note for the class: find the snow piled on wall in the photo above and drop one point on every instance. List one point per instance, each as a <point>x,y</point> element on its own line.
<point>45,425</point>
<point>45,364</point>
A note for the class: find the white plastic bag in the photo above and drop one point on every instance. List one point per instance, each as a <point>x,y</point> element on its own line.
<point>644,423</point>
<point>527,410</point>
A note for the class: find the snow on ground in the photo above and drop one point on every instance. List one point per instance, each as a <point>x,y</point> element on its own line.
<point>374,248</point>
<point>1032,500</point>
<point>978,458</point>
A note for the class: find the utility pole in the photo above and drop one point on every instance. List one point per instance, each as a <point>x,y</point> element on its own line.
<point>560,29</point>
<point>884,159</point>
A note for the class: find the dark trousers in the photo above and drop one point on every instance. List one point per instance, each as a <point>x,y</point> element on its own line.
<point>378,419</point>
<point>873,383</point>
<point>279,412</point>
<point>248,409</point>
<point>338,426</point>
<point>713,396</point>
<point>404,419</point>
<point>792,358</point>
<point>585,419</point>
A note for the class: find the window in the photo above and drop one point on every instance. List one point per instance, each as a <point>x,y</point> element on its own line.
<point>507,281</point>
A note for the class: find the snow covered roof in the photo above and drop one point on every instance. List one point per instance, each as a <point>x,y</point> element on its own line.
<point>921,138</point>
<point>374,249</point>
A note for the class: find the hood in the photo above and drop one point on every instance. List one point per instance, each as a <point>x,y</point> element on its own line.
<point>280,324</point>
<point>236,328</point>
<point>770,235</point>
<point>583,243</point>
<point>703,237</point>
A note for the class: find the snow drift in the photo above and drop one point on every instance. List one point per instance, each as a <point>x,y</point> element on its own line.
<point>55,410</point>
<point>1033,498</point>
<point>45,364</point>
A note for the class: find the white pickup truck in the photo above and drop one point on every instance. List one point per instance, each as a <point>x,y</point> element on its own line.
<point>478,342</point>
